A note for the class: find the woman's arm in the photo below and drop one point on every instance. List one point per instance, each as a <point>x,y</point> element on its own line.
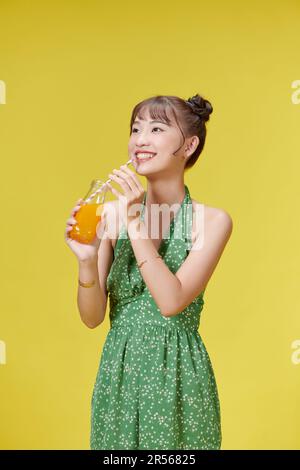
<point>173,292</point>
<point>92,301</point>
<point>194,274</point>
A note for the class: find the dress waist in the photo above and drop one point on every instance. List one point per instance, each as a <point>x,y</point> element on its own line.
<point>167,327</point>
<point>141,311</point>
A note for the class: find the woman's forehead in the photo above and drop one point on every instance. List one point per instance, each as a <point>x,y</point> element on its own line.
<point>145,114</point>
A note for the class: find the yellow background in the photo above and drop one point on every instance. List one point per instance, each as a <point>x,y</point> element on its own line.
<point>73,71</point>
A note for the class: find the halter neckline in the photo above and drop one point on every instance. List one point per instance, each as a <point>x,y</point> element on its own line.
<point>185,210</point>
<point>185,198</point>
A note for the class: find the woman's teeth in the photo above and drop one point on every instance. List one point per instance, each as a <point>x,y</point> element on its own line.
<point>145,156</point>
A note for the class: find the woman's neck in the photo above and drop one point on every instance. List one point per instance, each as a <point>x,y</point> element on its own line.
<point>165,192</point>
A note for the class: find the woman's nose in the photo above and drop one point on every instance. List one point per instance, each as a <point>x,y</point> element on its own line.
<point>142,138</point>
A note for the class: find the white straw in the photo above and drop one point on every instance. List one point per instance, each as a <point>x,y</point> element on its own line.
<point>100,189</point>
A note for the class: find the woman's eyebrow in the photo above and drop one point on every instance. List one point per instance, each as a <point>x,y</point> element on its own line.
<point>151,122</point>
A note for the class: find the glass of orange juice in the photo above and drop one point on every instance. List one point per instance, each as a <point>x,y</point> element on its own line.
<point>89,214</point>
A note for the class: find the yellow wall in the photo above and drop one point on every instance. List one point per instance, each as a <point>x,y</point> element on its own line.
<point>71,73</point>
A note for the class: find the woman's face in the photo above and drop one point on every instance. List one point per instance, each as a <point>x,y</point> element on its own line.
<point>159,138</point>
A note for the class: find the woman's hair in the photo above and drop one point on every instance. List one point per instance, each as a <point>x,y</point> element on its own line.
<point>190,116</point>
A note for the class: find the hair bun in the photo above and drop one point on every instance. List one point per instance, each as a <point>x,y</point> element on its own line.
<point>200,106</point>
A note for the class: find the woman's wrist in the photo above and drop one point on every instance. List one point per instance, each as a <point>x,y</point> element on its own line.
<point>88,262</point>
<point>88,272</point>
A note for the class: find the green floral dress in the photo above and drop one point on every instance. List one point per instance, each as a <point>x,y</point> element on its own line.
<point>155,387</point>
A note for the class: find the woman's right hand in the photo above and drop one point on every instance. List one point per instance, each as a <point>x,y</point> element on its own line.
<point>83,251</point>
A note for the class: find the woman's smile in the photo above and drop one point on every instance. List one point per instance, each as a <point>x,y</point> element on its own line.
<point>143,157</point>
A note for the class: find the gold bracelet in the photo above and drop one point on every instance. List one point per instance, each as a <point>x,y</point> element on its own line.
<point>145,261</point>
<point>86,284</point>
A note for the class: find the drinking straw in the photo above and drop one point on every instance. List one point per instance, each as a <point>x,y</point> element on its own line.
<point>100,189</point>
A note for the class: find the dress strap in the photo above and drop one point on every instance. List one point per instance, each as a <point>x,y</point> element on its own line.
<point>183,221</point>
<point>143,208</point>
<point>189,221</point>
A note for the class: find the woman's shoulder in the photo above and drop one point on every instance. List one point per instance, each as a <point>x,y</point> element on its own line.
<point>209,216</point>
<point>209,210</point>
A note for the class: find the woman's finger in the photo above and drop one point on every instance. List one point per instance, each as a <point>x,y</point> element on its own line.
<point>126,182</point>
<point>79,203</point>
<point>113,190</point>
<point>71,220</point>
<point>133,177</point>
<point>122,183</point>
<point>75,209</point>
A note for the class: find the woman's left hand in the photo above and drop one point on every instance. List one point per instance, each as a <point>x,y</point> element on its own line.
<point>131,200</point>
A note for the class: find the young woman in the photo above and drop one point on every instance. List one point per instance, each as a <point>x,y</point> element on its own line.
<point>155,387</point>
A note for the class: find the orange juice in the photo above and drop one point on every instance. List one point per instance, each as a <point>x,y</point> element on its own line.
<point>87,218</point>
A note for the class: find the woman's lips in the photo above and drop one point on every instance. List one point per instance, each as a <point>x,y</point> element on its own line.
<point>143,160</point>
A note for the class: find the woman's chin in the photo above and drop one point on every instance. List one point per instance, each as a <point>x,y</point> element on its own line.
<point>141,167</point>
<point>145,168</point>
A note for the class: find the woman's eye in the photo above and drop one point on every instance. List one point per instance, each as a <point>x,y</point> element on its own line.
<point>135,129</point>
